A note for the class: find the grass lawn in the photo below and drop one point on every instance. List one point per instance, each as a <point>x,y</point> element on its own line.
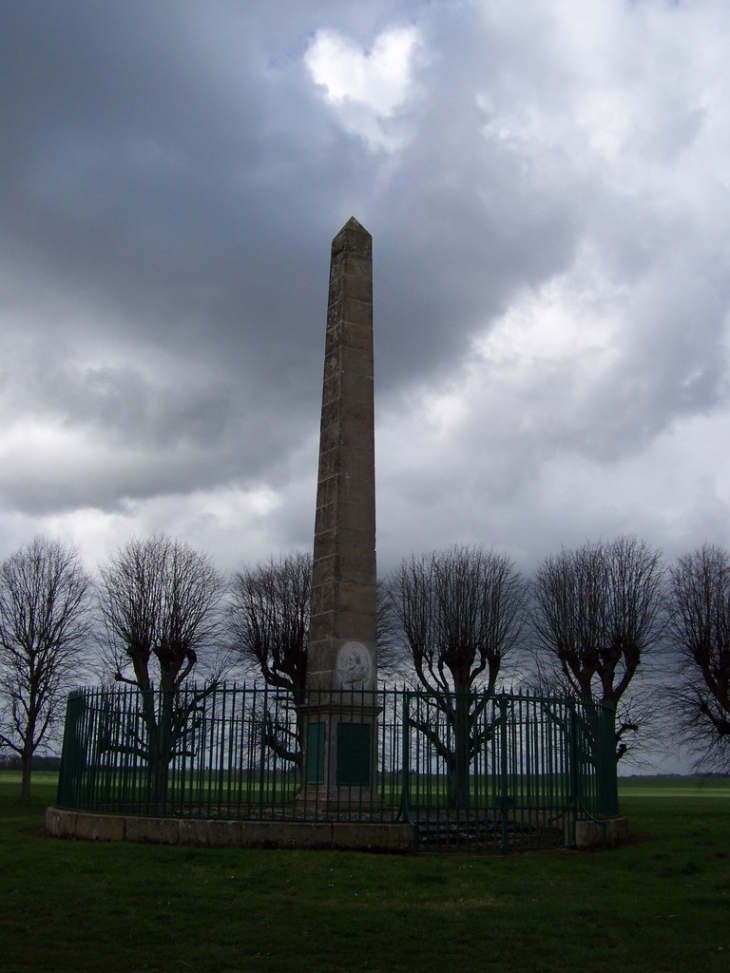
<point>660,904</point>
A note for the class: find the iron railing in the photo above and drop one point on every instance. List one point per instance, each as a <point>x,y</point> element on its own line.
<point>475,771</point>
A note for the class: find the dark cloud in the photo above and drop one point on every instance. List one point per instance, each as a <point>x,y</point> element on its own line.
<point>549,209</point>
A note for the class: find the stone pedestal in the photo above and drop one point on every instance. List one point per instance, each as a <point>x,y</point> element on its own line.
<point>341,754</point>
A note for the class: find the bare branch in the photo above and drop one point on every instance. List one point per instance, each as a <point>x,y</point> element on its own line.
<point>597,612</point>
<point>459,613</point>
<point>269,618</point>
<point>44,629</point>
<point>699,627</point>
<point>159,601</point>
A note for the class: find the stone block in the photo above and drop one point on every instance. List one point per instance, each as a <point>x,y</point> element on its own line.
<point>214,833</point>
<point>60,823</point>
<point>607,833</point>
<point>376,836</point>
<point>350,284</point>
<point>354,625</point>
<point>357,313</point>
<point>100,827</point>
<point>159,831</point>
<point>286,834</point>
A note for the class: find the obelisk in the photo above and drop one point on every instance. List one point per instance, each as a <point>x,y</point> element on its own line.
<point>342,654</point>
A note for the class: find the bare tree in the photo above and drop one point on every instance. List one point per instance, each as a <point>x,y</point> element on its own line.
<point>270,605</point>
<point>160,605</point>
<point>597,611</point>
<point>269,618</point>
<point>699,628</point>
<point>459,613</point>
<point>43,633</point>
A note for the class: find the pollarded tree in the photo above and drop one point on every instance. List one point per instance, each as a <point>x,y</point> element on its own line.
<point>44,629</point>
<point>699,628</point>
<point>160,607</point>
<point>597,612</point>
<point>459,613</point>
<point>160,602</point>
<point>269,616</point>
<point>269,620</point>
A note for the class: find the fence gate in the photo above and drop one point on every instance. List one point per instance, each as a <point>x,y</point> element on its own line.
<point>504,772</point>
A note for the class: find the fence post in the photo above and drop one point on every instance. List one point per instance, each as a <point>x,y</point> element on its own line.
<point>405,806</point>
<point>574,769</point>
<point>607,804</point>
<point>71,758</point>
<point>504,772</point>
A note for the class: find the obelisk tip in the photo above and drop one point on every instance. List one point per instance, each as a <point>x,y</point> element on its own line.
<point>353,224</point>
<point>353,237</point>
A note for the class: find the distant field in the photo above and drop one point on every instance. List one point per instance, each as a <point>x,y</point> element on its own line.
<point>40,777</point>
<point>674,787</point>
<point>694,786</point>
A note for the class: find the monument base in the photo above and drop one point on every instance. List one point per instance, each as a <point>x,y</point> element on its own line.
<point>340,755</point>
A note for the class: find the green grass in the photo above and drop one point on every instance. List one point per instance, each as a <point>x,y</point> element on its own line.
<point>660,904</point>
<point>693,787</point>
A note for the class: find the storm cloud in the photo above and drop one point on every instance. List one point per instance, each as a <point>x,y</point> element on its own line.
<point>547,188</point>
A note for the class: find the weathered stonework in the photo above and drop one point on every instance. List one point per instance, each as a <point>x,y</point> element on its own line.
<point>606,833</point>
<point>398,838</point>
<point>342,654</point>
<point>344,578</point>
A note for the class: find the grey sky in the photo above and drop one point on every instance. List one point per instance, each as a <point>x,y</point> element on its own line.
<point>548,190</point>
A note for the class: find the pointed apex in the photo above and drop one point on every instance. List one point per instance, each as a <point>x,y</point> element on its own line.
<point>353,237</point>
<point>352,224</point>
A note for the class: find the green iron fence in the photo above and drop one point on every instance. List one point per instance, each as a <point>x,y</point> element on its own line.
<point>476,771</point>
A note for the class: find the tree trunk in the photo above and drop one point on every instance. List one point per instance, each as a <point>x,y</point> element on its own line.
<point>25,761</point>
<point>161,749</point>
<point>159,729</point>
<point>458,786</point>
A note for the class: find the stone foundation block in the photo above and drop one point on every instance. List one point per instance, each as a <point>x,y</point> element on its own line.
<point>601,834</point>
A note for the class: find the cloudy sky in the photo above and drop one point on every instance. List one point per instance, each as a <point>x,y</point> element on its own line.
<point>548,188</point>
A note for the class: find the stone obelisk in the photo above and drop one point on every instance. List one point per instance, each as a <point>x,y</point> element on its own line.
<point>342,661</point>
